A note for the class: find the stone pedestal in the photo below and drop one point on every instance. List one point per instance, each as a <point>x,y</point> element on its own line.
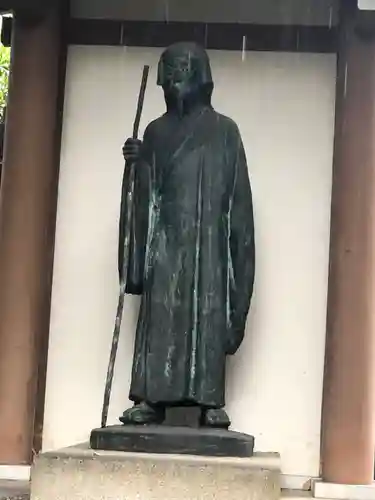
<point>171,440</point>
<point>79,473</point>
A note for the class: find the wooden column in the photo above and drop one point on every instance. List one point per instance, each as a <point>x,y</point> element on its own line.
<point>27,218</point>
<point>348,442</point>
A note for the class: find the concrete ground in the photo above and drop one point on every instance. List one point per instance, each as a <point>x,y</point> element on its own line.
<point>14,490</point>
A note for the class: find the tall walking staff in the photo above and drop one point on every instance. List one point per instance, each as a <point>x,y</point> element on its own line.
<point>125,261</point>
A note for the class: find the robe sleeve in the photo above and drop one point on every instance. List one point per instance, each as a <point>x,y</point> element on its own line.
<point>138,222</point>
<point>241,246</point>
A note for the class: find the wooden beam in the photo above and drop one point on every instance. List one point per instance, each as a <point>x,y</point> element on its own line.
<point>25,5</point>
<point>220,36</point>
<point>27,228</point>
<point>348,433</point>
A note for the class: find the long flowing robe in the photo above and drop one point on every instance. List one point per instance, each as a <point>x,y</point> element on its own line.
<point>192,257</point>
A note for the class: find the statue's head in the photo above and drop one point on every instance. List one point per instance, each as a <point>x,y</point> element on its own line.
<point>184,73</point>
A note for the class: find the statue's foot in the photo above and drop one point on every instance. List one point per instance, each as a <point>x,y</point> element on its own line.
<point>214,417</point>
<point>143,414</point>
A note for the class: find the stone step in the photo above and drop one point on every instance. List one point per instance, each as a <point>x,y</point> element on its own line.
<point>14,490</point>
<point>79,473</point>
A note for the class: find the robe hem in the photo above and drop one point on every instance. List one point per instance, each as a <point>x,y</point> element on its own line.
<point>177,403</point>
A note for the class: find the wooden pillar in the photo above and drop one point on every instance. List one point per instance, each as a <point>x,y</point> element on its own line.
<point>349,386</point>
<point>27,218</point>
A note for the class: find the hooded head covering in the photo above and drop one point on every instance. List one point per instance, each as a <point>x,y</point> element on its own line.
<point>184,72</point>
<point>184,60</point>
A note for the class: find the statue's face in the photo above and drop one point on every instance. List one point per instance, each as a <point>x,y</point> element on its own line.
<point>180,76</point>
<point>185,75</point>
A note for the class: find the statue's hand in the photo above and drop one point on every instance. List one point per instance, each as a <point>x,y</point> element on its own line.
<point>131,150</point>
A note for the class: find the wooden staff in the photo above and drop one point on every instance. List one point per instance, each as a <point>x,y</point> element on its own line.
<point>125,260</point>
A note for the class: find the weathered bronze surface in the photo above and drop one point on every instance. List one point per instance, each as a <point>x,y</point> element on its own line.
<point>192,254</point>
<point>187,220</point>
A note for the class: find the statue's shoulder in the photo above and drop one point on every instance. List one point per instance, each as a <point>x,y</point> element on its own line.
<point>226,123</point>
<point>154,127</point>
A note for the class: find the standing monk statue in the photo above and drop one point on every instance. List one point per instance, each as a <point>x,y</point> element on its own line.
<point>191,254</point>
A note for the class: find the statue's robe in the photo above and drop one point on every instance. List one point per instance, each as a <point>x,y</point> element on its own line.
<point>191,258</point>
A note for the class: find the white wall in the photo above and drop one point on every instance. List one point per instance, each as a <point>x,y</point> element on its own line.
<point>303,12</point>
<point>284,105</point>
<point>366,4</point>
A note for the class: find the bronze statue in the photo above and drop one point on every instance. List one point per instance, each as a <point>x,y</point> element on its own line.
<point>192,254</point>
